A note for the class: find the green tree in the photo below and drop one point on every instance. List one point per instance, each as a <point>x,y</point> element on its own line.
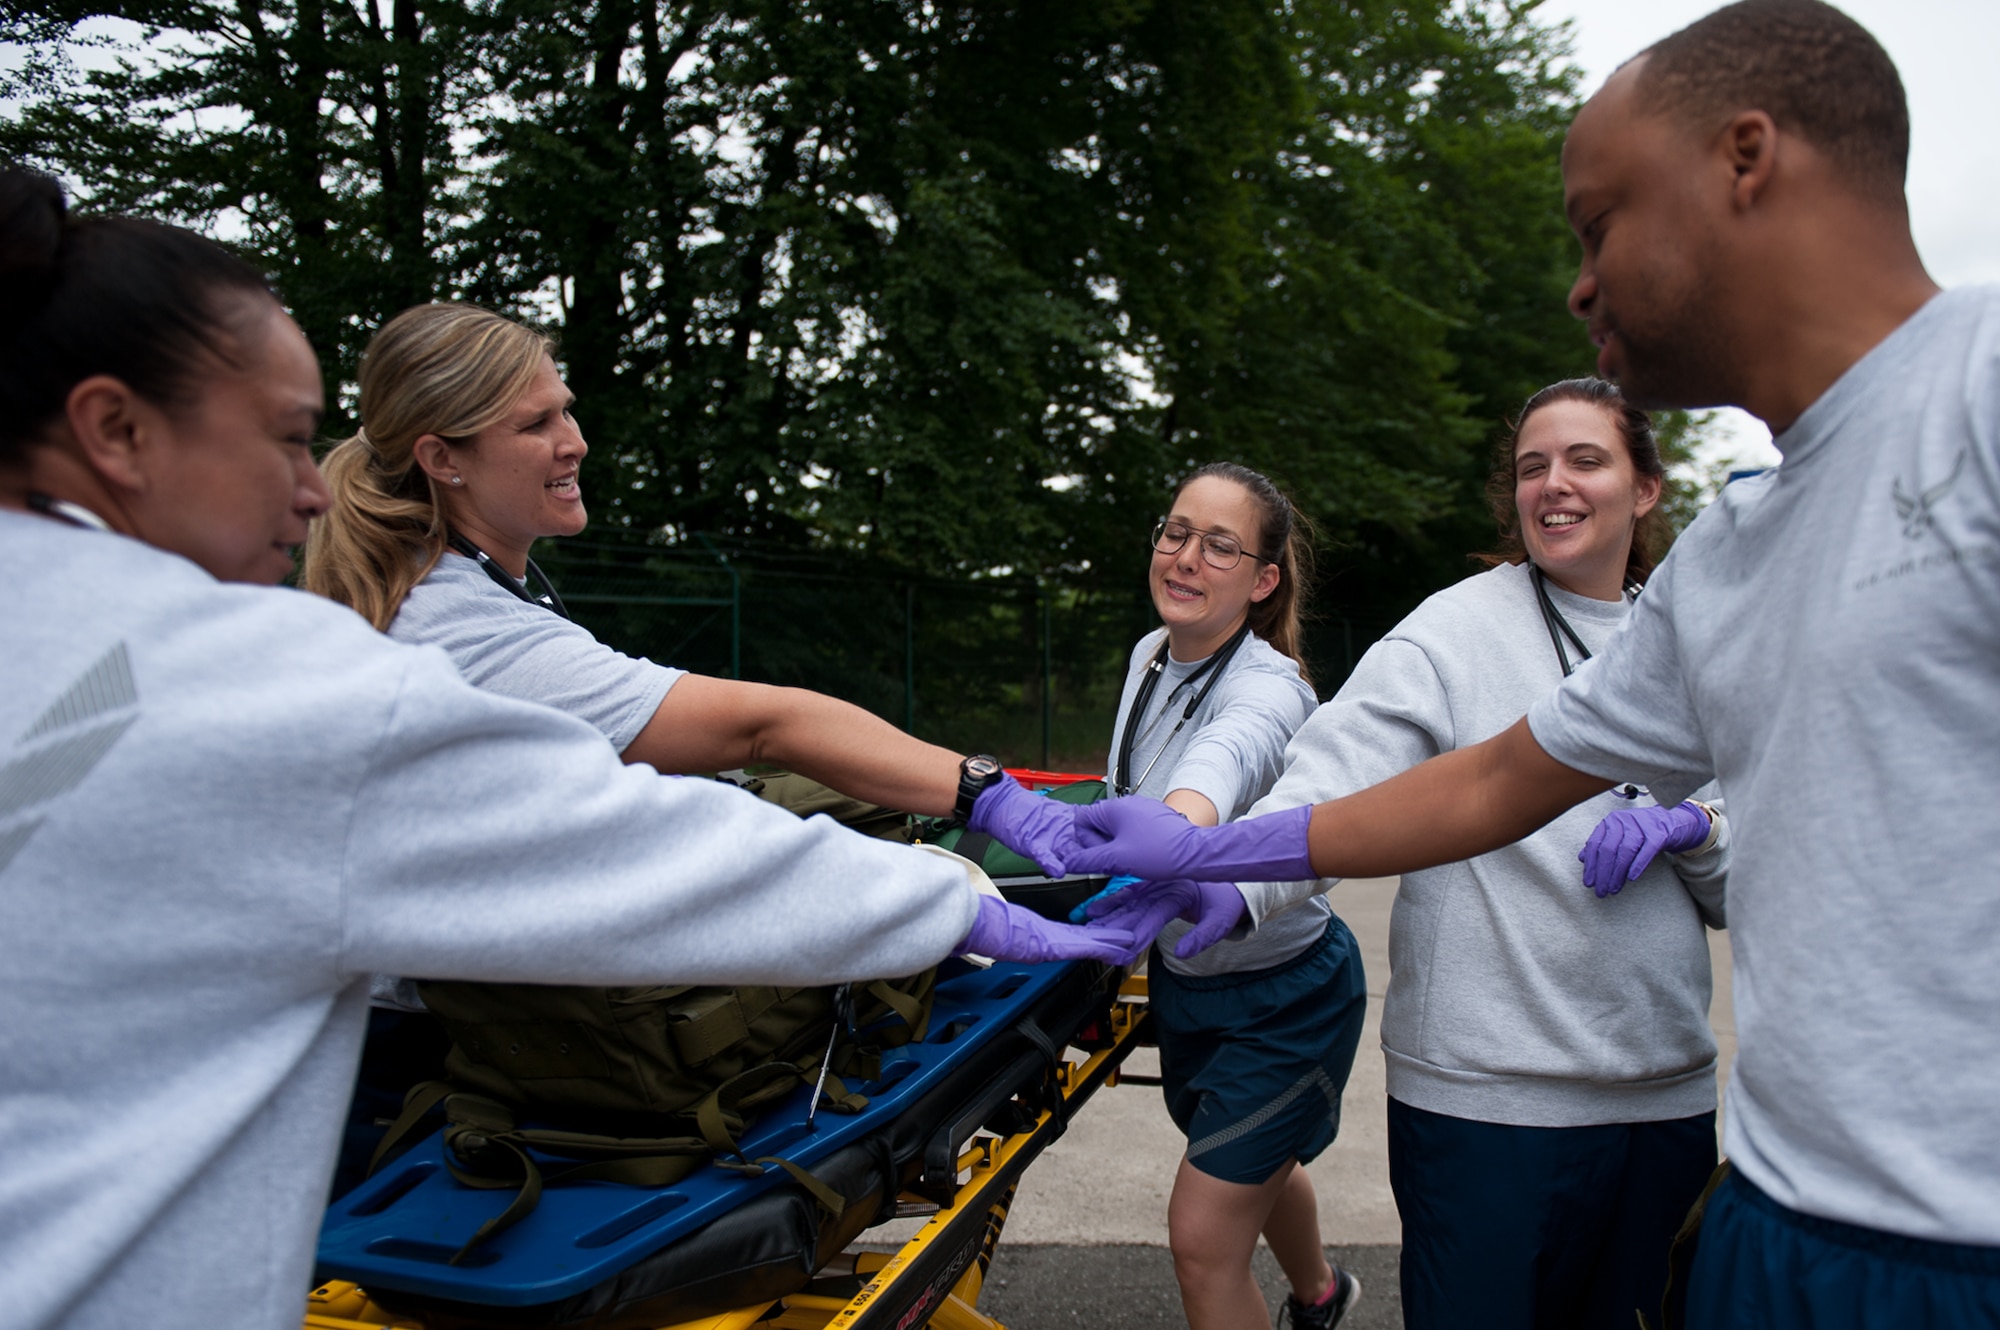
<point>955,288</point>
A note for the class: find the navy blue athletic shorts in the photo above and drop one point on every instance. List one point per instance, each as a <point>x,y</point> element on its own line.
<point>1540,1228</point>
<point>1763,1265</point>
<point>1253,1063</point>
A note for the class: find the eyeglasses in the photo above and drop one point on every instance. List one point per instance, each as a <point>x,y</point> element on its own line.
<point>1221,552</point>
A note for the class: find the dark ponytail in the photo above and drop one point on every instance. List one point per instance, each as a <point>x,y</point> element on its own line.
<point>1285,539</point>
<point>1653,532</point>
<point>149,304</point>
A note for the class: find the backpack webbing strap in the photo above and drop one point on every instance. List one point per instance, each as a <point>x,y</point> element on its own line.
<point>525,1199</point>
<point>913,1008</point>
<point>640,1163</point>
<point>420,1100</point>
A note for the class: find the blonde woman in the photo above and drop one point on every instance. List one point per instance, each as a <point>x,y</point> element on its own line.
<point>468,454</point>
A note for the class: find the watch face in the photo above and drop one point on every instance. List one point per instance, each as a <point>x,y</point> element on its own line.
<point>982,767</point>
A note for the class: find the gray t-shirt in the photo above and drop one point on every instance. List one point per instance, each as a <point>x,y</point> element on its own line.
<point>1826,640</point>
<point>1229,751</point>
<point>505,645</point>
<point>1515,995</point>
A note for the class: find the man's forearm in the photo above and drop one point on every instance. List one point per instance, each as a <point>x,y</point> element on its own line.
<point>1453,807</point>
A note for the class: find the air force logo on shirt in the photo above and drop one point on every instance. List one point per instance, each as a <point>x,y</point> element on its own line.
<point>1917,510</point>
<point>1927,545</point>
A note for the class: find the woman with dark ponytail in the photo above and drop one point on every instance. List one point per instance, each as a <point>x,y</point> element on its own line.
<point>1256,1035</point>
<point>225,806</point>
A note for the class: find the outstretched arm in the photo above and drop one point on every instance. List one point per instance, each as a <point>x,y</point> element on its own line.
<point>1457,805</point>
<point>1453,807</point>
<point>709,724</point>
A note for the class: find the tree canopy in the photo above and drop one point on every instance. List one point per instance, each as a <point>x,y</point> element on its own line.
<point>950,287</point>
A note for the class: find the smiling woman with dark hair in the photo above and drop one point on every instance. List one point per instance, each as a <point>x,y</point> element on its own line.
<point>227,805</point>
<point>1257,1034</point>
<point>1551,1072</point>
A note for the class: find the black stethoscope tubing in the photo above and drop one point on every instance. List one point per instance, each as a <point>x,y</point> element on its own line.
<point>548,600</point>
<point>1559,628</point>
<point>1213,668</point>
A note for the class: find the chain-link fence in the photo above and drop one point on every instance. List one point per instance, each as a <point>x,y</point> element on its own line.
<point>1029,671</point>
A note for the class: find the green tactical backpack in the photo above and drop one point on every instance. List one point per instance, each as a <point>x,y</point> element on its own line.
<point>646,1084</point>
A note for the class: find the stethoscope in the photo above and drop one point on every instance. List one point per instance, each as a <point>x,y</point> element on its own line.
<point>65,511</point>
<point>1212,668</point>
<point>548,600</point>
<point>1559,628</point>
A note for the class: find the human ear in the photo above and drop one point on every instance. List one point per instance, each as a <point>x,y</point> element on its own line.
<point>1648,496</point>
<point>1268,575</point>
<point>433,454</point>
<point>1749,143</point>
<point>115,429</point>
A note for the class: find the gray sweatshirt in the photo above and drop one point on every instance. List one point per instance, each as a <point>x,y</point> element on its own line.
<point>223,807</point>
<point>1515,994</point>
<point>1229,752</point>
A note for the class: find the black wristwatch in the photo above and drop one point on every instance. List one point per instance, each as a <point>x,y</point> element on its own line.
<point>976,774</point>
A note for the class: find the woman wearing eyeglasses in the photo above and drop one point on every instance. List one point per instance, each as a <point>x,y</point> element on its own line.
<point>1551,1070</point>
<point>1256,1035</point>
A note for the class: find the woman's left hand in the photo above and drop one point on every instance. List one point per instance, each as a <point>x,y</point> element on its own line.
<point>1143,910</point>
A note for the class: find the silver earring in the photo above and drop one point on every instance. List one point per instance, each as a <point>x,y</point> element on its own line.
<point>458,480</point>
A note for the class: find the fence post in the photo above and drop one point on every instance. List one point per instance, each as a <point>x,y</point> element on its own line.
<point>735,606</point>
<point>1048,672</point>
<point>910,657</point>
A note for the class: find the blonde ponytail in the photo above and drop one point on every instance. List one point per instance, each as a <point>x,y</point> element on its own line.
<point>449,370</point>
<point>372,545</point>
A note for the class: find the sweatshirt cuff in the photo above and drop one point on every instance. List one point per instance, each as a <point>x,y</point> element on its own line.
<point>1264,899</point>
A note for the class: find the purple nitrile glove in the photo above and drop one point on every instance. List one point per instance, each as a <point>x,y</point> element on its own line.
<point>1627,841</point>
<point>1030,825</point>
<point>1150,840</point>
<point>1212,907</point>
<point>1007,932</point>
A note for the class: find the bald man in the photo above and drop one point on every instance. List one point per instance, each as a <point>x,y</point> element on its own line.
<point>1825,640</point>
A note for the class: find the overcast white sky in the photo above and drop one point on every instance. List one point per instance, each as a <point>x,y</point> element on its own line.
<point>1946,52</point>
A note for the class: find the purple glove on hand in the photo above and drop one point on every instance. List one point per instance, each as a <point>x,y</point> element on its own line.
<point>1009,933</point>
<point>1626,842</point>
<point>1212,907</point>
<point>1148,839</point>
<point>1035,827</point>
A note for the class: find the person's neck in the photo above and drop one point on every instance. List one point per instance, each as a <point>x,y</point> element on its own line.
<point>1835,299</point>
<point>1187,645</point>
<point>52,472</point>
<point>1591,584</point>
<point>509,555</point>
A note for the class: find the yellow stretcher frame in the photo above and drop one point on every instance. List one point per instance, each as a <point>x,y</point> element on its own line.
<point>934,1279</point>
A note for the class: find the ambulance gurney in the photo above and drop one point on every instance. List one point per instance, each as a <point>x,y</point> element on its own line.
<point>609,1256</point>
